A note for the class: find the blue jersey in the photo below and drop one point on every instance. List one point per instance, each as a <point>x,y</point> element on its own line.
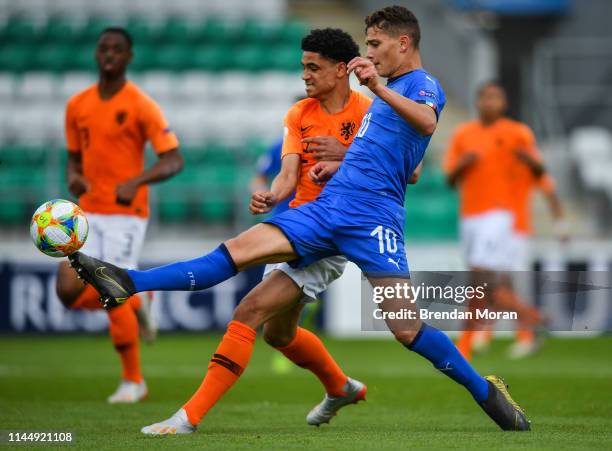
<point>269,165</point>
<point>386,149</point>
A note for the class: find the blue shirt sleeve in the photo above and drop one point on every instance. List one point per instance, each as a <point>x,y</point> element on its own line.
<point>269,163</point>
<point>427,91</point>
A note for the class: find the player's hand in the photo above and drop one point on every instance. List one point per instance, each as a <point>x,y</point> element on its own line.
<point>126,192</point>
<point>77,185</point>
<point>468,159</point>
<point>326,148</point>
<point>323,171</point>
<point>262,202</point>
<point>365,71</point>
<point>561,230</point>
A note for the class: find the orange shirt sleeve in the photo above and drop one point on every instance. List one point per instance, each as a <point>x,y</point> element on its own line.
<point>156,128</point>
<point>292,138</point>
<point>527,142</point>
<point>71,130</point>
<point>453,152</point>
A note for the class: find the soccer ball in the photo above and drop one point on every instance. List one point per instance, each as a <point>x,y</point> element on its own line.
<point>59,228</point>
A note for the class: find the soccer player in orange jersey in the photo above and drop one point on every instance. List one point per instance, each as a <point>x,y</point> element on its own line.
<point>317,132</point>
<point>485,159</point>
<point>107,126</point>
<point>525,184</point>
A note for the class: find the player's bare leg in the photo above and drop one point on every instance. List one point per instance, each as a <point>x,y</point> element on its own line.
<point>262,243</point>
<point>490,393</point>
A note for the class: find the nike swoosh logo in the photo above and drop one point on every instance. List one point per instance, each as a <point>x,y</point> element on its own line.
<point>305,129</point>
<point>101,275</point>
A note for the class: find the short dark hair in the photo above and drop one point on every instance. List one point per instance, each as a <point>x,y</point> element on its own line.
<point>122,31</point>
<point>487,84</point>
<point>332,43</point>
<point>396,20</point>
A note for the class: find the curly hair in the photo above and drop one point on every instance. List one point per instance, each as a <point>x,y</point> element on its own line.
<point>332,43</point>
<point>396,20</point>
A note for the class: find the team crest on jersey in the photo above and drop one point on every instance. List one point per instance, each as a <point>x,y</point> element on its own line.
<point>121,116</point>
<point>347,130</point>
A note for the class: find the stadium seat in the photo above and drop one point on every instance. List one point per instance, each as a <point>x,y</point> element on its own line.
<point>37,86</point>
<point>16,57</point>
<point>7,86</point>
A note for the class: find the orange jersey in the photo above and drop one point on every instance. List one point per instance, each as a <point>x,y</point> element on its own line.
<point>110,135</point>
<point>488,184</point>
<point>307,119</point>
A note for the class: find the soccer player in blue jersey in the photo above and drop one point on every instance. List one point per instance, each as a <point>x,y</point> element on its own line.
<point>359,214</point>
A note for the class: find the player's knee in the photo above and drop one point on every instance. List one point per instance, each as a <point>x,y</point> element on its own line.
<point>405,337</point>
<point>65,293</point>
<point>277,338</point>
<point>251,311</point>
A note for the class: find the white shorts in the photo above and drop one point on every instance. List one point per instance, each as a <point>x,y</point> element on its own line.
<point>116,239</point>
<point>519,246</point>
<point>486,240</point>
<point>313,279</point>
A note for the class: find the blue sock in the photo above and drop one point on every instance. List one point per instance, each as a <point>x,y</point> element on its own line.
<point>196,274</point>
<point>436,347</point>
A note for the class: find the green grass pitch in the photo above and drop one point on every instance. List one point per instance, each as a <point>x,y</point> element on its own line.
<point>60,384</point>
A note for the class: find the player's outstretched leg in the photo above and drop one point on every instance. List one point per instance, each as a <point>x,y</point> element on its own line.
<point>307,351</point>
<point>262,243</point>
<point>434,345</point>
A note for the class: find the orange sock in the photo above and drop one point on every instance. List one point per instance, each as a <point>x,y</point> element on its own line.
<point>124,334</point>
<point>525,335</point>
<point>227,364</point>
<point>89,299</point>
<point>308,351</point>
<point>464,344</point>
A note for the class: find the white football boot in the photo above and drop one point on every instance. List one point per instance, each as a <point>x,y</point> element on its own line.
<point>328,408</point>
<point>176,424</point>
<point>129,392</point>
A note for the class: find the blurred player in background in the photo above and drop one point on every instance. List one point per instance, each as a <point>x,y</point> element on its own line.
<point>494,163</point>
<point>107,126</point>
<point>526,182</point>
<point>360,214</point>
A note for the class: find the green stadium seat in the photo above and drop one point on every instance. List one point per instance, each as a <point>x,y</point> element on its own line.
<point>215,210</point>
<point>291,33</point>
<point>142,31</point>
<point>59,30</point>
<point>20,31</point>
<point>144,57</point>
<point>173,57</point>
<point>177,31</point>
<point>83,58</point>
<point>250,58</point>
<point>16,57</point>
<point>214,31</point>
<point>210,57</point>
<point>13,212</point>
<point>286,58</point>
<point>53,57</point>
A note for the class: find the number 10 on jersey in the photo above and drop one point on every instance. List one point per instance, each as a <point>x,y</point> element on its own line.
<point>385,236</point>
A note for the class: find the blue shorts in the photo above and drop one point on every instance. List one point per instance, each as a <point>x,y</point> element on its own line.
<point>369,235</point>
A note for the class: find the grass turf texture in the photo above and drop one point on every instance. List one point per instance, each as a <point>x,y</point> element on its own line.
<point>61,383</point>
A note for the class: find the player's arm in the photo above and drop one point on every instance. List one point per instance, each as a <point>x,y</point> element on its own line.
<point>463,163</point>
<point>325,148</point>
<point>77,184</point>
<point>534,164</point>
<point>560,227</point>
<point>283,186</point>
<point>420,116</point>
<point>414,178</point>
<point>169,163</point>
